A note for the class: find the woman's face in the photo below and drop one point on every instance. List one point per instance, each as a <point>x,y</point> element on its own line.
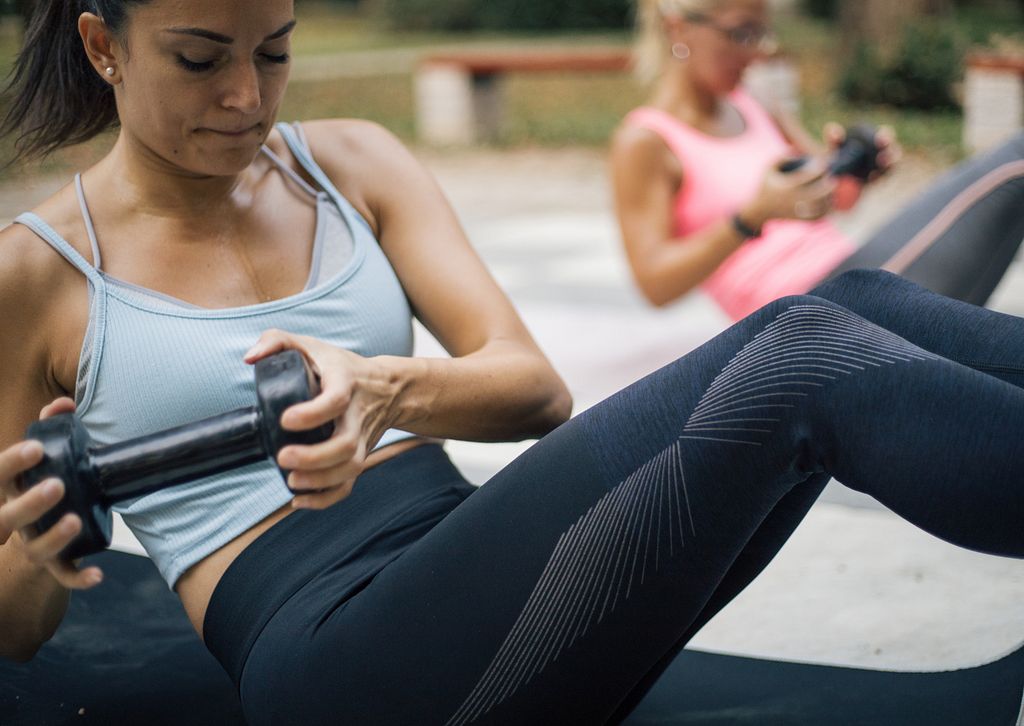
<point>201,81</point>
<point>722,42</point>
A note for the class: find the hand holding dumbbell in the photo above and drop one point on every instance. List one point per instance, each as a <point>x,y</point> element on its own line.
<point>857,155</point>
<point>95,478</point>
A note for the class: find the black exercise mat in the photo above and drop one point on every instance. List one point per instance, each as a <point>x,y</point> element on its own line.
<point>126,655</point>
<point>715,690</point>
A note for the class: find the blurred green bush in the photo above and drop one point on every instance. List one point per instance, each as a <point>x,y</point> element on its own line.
<point>921,74</point>
<point>821,8</point>
<point>502,14</point>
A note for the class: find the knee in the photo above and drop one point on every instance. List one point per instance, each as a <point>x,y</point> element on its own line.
<point>854,284</point>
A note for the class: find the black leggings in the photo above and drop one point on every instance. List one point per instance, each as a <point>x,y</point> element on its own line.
<point>559,591</point>
<point>958,238</point>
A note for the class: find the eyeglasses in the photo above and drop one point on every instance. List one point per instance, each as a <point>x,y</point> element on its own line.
<point>750,36</point>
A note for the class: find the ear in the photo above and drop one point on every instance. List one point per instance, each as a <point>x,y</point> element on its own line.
<point>100,47</point>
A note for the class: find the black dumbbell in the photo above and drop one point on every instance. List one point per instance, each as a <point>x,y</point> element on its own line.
<point>95,478</point>
<point>856,156</point>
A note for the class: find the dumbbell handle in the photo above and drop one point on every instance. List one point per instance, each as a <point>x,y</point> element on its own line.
<point>148,463</point>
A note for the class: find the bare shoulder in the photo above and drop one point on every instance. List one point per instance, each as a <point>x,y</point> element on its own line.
<point>44,300</point>
<point>352,143</point>
<point>29,267</point>
<point>639,154</point>
<point>369,165</point>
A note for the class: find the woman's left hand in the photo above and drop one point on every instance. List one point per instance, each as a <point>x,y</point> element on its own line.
<point>356,394</point>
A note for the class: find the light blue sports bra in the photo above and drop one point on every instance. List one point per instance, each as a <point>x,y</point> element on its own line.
<point>150,362</point>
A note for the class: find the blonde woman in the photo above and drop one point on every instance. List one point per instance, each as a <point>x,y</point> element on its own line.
<point>701,199</point>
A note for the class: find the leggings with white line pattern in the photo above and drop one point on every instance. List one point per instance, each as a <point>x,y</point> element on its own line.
<point>560,590</point>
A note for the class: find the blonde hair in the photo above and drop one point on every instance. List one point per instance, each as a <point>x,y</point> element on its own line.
<point>651,48</point>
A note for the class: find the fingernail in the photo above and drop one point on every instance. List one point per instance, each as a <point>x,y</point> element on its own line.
<point>68,526</point>
<point>31,449</point>
<point>94,577</point>
<point>255,350</point>
<point>51,488</point>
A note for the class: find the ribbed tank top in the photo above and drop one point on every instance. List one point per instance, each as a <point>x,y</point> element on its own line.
<point>722,175</point>
<point>149,363</point>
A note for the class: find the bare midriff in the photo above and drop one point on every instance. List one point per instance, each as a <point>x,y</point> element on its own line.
<point>196,585</point>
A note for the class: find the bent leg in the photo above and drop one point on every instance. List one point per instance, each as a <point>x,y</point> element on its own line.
<point>981,339</point>
<point>960,236</point>
<point>554,590</point>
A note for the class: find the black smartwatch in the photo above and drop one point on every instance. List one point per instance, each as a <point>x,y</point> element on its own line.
<point>741,227</point>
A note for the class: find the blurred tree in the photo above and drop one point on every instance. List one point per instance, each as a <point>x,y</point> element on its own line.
<point>501,14</point>
<point>880,23</point>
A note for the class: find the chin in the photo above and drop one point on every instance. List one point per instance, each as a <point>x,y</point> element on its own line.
<point>230,156</point>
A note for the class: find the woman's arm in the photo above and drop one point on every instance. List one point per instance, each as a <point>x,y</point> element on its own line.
<point>647,177</point>
<point>497,386</point>
<point>34,587</point>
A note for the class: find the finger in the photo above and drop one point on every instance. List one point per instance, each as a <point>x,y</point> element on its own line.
<point>312,481</point>
<point>48,545</point>
<point>332,403</point>
<point>885,136</point>
<point>889,156</point>
<point>274,341</point>
<point>335,451</point>
<point>16,459</point>
<point>324,499</point>
<point>833,134</point>
<point>58,406</point>
<point>70,577</point>
<point>21,511</point>
<point>813,172</point>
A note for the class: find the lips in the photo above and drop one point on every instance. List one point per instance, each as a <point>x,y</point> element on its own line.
<point>234,132</point>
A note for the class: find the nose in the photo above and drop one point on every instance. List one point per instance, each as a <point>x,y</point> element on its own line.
<point>242,91</point>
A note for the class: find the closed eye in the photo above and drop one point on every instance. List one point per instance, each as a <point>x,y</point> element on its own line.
<point>279,59</point>
<point>194,66</point>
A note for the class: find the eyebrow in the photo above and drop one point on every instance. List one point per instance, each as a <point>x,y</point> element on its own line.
<point>224,39</point>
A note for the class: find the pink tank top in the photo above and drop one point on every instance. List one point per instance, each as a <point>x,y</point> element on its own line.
<point>722,175</point>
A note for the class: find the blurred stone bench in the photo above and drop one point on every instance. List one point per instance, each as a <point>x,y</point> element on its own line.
<point>460,98</point>
<point>993,100</point>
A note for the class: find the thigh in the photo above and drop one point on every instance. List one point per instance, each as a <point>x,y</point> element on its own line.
<point>517,608</point>
<point>984,340</point>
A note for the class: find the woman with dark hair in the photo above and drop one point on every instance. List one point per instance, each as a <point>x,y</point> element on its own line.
<point>377,587</point>
<point>703,198</point>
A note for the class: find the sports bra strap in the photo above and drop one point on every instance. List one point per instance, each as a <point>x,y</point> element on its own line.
<point>88,223</point>
<point>69,253</point>
<point>302,154</point>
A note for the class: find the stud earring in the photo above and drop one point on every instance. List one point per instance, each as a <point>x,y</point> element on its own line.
<point>110,70</point>
<point>681,51</point>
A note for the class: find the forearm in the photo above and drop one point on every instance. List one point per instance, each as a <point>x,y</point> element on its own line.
<point>503,392</point>
<point>32,604</point>
<point>676,266</point>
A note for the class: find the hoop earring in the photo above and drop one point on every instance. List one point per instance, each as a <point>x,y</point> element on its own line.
<point>681,51</point>
<point>110,70</point>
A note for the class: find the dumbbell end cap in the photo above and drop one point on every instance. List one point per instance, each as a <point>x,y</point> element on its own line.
<point>66,457</point>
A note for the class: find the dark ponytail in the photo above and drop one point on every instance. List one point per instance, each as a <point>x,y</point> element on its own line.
<point>59,99</point>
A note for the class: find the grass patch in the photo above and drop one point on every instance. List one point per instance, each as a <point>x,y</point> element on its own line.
<point>570,108</point>
<point>386,99</point>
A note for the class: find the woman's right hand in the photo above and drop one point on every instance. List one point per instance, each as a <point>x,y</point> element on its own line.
<point>805,193</point>
<point>19,511</point>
